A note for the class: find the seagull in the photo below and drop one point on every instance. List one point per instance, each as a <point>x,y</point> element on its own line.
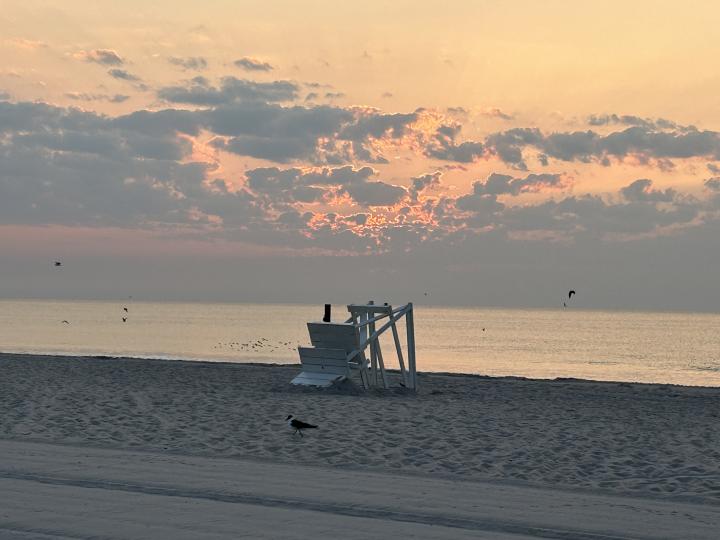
<point>298,425</point>
<point>58,263</point>
<point>66,322</point>
<point>124,319</point>
<point>125,309</point>
<point>570,293</point>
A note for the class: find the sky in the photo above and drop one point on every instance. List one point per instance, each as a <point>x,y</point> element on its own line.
<point>453,153</point>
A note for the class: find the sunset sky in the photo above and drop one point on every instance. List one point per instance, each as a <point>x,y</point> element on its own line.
<point>484,152</point>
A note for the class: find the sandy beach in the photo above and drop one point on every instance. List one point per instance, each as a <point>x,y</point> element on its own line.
<point>657,444</point>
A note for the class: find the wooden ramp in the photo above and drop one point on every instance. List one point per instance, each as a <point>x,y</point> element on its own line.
<point>322,367</point>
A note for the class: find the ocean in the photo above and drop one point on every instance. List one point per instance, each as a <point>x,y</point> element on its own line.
<point>676,348</point>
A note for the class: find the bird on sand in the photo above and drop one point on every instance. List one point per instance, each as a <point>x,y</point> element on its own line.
<point>66,322</point>
<point>125,309</point>
<point>124,319</point>
<point>298,425</point>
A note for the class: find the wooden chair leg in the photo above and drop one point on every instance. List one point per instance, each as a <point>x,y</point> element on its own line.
<point>381,362</point>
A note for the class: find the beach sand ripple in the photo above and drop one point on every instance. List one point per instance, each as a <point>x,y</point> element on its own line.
<point>619,437</point>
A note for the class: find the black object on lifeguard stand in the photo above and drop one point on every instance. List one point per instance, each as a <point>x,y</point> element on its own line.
<point>326,317</point>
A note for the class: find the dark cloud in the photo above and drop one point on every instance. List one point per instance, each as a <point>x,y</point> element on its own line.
<point>588,146</point>
<point>274,132</point>
<point>660,144</point>
<point>659,140</point>
<point>28,117</point>
<point>284,134</point>
<point>282,186</point>
<point>508,145</point>
<point>280,150</point>
<point>82,96</point>
<point>443,145</point>
<point>480,204</point>
<point>713,168</point>
<point>375,193</point>
<point>106,57</point>
<point>252,64</point>
<point>160,124</point>
<point>357,219</point>
<point>503,184</point>
<point>580,145</point>
<point>591,216</point>
<point>378,125</point>
<point>495,112</point>
<point>317,85</point>
<point>713,184</point>
<point>65,166</point>
<point>339,176</point>
<point>334,95</point>
<point>199,91</point>
<point>295,185</point>
<point>288,186</point>
<point>630,120</point>
<point>419,184</point>
<point>318,135</point>
<point>640,191</point>
<point>123,75</point>
<point>196,63</point>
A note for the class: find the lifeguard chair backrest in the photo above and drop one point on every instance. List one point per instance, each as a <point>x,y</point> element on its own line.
<point>343,336</point>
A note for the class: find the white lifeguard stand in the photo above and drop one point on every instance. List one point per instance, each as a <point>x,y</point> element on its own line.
<point>339,348</point>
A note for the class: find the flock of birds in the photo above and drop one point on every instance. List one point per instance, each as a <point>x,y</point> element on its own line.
<point>262,344</point>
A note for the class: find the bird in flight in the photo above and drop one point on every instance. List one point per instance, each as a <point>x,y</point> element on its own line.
<point>66,322</point>
<point>125,309</point>
<point>298,425</point>
<point>57,263</point>
<point>570,294</point>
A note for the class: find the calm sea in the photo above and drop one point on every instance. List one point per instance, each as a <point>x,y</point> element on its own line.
<point>681,348</point>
